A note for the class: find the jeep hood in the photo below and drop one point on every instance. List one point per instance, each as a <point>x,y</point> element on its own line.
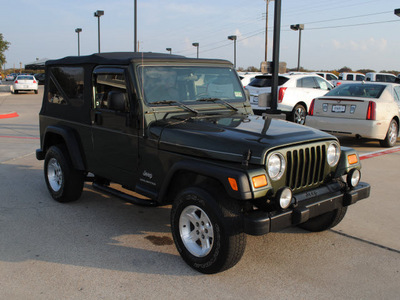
<point>230,137</point>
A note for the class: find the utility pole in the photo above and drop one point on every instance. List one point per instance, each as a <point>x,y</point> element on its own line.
<point>266,29</point>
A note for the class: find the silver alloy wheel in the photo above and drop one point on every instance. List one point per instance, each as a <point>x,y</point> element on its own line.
<point>392,133</point>
<point>196,231</point>
<point>299,115</point>
<point>54,174</point>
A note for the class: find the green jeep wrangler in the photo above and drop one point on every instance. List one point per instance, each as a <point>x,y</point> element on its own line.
<point>180,131</point>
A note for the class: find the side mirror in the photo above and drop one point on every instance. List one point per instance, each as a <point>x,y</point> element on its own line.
<point>117,101</point>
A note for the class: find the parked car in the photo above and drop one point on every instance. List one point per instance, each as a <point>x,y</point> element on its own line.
<point>40,77</point>
<point>328,76</point>
<point>348,77</point>
<point>106,118</point>
<point>363,110</point>
<point>25,83</point>
<point>380,77</point>
<point>247,77</point>
<point>10,77</point>
<point>295,93</point>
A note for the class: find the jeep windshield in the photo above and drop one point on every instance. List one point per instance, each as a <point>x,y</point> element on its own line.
<point>188,84</point>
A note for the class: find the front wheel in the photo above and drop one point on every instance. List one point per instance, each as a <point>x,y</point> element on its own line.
<point>391,135</point>
<point>207,230</point>
<point>325,221</point>
<point>64,182</point>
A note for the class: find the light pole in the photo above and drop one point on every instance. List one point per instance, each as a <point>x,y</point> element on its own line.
<point>98,14</point>
<point>266,29</point>
<point>169,49</point>
<point>233,38</point>
<point>298,27</point>
<point>135,26</point>
<point>78,30</point>
<point>197,46</point>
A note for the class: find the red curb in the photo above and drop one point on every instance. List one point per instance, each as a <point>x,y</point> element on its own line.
<point>379,153</point>
<point>9,115</point>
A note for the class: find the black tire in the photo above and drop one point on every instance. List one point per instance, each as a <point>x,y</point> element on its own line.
<point>299,114</point>
<point>15,92</point>
<point>391,135</point>
<point>325,221</point>
<point>219,241</point>
<point>36,91</point>
<point>64,182</point>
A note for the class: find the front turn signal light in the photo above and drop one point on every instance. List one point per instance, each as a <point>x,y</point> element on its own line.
<point>233,184</point>
<point>352,159</point>
<point>259,181</point>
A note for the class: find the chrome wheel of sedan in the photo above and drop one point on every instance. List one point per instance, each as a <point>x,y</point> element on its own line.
<point>299,114</point>
<point>391,135</point>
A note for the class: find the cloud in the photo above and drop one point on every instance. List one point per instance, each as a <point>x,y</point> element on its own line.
<point>368,45</point>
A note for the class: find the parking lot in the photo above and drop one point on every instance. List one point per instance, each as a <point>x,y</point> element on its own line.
<point>104,248</point>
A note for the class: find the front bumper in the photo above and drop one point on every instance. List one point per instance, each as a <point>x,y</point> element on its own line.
<point>307,205</point>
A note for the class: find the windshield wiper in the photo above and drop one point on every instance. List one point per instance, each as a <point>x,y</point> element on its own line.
<point>177,103</point>
<point>218,100</point>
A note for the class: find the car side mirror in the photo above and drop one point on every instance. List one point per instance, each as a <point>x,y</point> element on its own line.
<point>117,101</point>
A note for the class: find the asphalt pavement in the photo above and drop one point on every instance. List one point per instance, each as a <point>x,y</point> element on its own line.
<point>101,247</point>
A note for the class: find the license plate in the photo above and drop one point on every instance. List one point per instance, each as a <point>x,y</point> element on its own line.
<point>338,108</point>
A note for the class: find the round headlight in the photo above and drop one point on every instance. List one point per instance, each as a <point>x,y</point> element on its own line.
<point>285,197</point>
<point>353,178</point>
<point>276,166</point>
<point>333,154</point>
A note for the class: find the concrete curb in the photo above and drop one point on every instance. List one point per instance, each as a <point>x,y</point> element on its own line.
<point>5,88</point>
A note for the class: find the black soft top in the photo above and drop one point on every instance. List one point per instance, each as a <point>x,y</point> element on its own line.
<point>124,58</point>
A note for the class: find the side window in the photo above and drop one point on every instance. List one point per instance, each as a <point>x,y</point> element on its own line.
<point>66,86</point>
<point>110,91</point>
<point>307,82</point>
<point>350,77</point>
<point>380,78</point>
<point>323,85</point>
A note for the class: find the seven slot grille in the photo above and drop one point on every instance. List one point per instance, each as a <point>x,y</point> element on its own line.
<point>305,167</point>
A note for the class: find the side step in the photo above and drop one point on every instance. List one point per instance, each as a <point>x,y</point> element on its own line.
<point>124,196</point>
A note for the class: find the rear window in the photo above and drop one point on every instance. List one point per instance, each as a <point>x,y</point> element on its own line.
<point>266,81</point>
<point>358,90</point>
<point>25,77</point>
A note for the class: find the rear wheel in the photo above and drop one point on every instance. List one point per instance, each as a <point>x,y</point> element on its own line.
<point>36,91</point>
<point>298,114</point>
<point>391,135</point>
<point>64,182</point>
<point>325,221</point>
<point>207,229</point>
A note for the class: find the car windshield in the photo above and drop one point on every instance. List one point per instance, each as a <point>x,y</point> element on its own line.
<point>266,81</point>
<point>358,90</point>
<point>186,84</point>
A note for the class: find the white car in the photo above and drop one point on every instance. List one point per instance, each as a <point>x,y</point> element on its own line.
<point>25,83</point>
<point>247,77</point>
<point>295,93</point>
<point>328,76</point>
<point>363,110</point>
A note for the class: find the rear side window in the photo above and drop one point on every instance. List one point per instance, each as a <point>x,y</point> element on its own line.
<point>307,82</point>
<point>66,86</point>
<point>360,77</point>
<point>266,81</point>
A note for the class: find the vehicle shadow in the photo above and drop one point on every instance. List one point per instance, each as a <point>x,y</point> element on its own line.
<point>97,231</point>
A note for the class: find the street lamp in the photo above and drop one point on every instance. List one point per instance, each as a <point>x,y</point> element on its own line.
<point>78,30</point>
<point>298,27</point>
<point>169,49</point>
<point>197,46</point>
<point>233,38</point>
<point>98,14</point>
<point>397,12</point>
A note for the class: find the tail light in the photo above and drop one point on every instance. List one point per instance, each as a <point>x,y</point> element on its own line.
<point>34,81</point>
<point>282,91</point>
<point>311,111</point>
<point>371,112</point>
<point>16,81</point>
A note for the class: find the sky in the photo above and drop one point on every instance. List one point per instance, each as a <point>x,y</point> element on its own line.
<point>359,34</point>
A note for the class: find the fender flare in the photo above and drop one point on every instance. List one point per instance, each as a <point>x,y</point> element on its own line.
<point>71,142</point>
<point>219,173</point>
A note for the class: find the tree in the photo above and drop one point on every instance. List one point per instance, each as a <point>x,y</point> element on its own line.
<point>3,47</point>
<point>345,70</point>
